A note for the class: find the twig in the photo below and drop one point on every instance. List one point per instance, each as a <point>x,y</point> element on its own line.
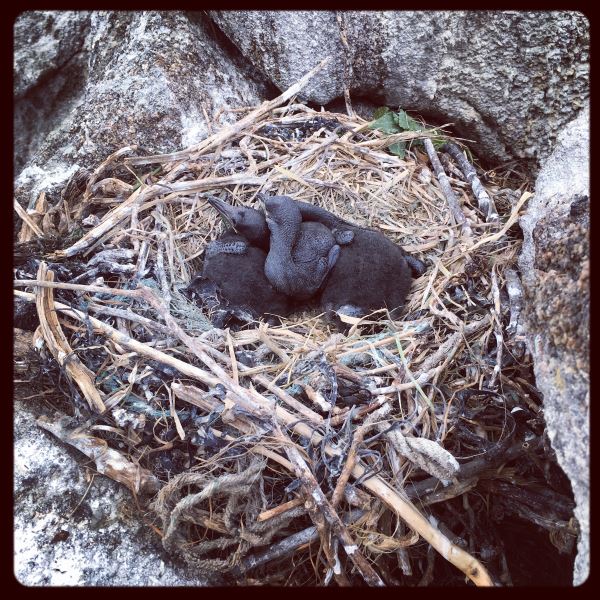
<point>59,346</point>
<point>128,315</point>
<point>129,343</point>
<point>331,517</point>
<point>290,544</point>
<point>109,462</point>
<point>225,134</point>
<point>470,566</point>
<point>486,204</point>
<point>124,210</point>
<point>451,198</point>
<point>27,220</point>
<point>497,317</point>
<point>340,485</point>
<point>273,512</point>
<point>478,467</point>
<point>515,297</point>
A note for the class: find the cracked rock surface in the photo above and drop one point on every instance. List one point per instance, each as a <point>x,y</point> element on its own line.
<point>88,84</point>
<point>555,268</point>
<point>507,79</point>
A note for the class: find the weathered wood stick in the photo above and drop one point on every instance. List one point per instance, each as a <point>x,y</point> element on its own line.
<point>332,518</point>
<point>228,132</point>
<point>273,512</point>
<point>497,317</point>
<point>340,485</point>
<point>59,345</point>
<point>290,544</point>
<point>515,297</point>
<point>486,204</point>
<point>27,220</point>
<point>451,198</point>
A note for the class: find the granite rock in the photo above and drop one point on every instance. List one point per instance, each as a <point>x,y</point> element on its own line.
<point>555,270</point>
<point>509,80</point>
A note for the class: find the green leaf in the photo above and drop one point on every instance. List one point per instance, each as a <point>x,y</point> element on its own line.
<point>385,123</point>
<point>438,142</point>
<point>407,123</point>
<point>398,148</point>
<point>379,112</point>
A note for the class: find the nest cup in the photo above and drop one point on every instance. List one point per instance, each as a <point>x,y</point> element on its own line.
<point>195,408</point>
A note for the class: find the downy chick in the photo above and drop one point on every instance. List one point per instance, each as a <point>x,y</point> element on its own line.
<point>300,254</point>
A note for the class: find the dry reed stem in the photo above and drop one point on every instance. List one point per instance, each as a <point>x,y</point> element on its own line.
<point>451,198</point>
<point>313,490</point>
<point>28,221</point>
<point>59,346</point>
<point>109,462</point>
<point>124,210</point>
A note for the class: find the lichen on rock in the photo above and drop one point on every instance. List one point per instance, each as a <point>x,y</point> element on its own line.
<point>555,269</point>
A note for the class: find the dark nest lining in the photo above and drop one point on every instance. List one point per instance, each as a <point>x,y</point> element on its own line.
<point>296,454</point>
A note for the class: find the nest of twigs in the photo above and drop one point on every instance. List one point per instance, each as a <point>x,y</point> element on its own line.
<point>297,454</point>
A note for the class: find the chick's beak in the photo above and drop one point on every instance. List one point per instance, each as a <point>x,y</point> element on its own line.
<point>225,210</point>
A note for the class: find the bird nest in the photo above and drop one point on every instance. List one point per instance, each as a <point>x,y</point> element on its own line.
<point>297,453</point>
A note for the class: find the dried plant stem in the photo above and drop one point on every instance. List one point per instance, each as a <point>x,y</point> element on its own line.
<point>340,485</point>
<point>313,490</point>
<point>451,198</point>
<point>497,317</point>
<point>129,343</point>
<point>109,462</point>
<point>124,210</point>
<point>59,346</point>
<point>486,204</point>
<point>290,544</point>
<point>128,315</point>
<point>27,220</point>
<point>273,512</point>
<point>469,565</point>
<point>227,133</point>
<point>515,296</point>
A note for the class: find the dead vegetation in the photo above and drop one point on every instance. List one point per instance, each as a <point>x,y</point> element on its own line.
<point>296,454</point>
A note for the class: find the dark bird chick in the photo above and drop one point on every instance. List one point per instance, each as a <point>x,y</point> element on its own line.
<point>300,254</point>
<point>311,212</point>
<point>233,277</point>
<point>370,274</point>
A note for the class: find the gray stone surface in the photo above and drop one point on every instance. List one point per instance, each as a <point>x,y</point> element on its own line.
<point>507,79</point>
<point>49,66</point>
<point>67,535</point>
<point>88,84</point>
<point>45,42</point>
<point>555,266</point>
